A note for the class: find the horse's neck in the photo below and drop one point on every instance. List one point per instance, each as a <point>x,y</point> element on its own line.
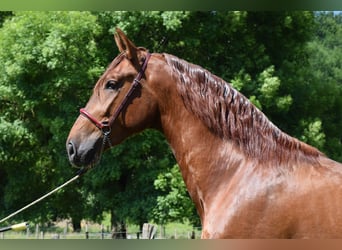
<point>205,160</point>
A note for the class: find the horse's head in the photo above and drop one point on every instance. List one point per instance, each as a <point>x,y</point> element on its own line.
<point>121,104</point>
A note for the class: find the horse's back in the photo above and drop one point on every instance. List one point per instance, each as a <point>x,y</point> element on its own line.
<point>318,201</point>
<point>305,202</point>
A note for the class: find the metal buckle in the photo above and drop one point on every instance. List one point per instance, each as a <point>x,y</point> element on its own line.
<point>106,129</point>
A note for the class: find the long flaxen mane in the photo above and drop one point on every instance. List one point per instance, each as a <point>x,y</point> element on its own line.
<point>231,116</point>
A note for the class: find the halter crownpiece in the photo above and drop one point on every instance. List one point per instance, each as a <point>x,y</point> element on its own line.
<point>105,126</point>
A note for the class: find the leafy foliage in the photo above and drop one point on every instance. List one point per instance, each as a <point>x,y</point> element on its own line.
<point>174,204</point>
<point>43,72</point>
<point>287,63</point>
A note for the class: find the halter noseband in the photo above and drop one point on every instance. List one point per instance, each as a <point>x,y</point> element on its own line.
<point>105,126</point>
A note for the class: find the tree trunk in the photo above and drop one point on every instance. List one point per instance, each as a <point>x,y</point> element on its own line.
<point>119,230</point>
<point>76,225</point>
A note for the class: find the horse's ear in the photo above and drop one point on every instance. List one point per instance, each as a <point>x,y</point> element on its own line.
<point>124,44</point>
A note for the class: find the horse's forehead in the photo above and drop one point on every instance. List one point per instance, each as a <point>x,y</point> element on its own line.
<point>119,64</point>
<point>119,60</point>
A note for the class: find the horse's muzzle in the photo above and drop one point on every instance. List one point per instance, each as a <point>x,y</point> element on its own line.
<point>82,155</point>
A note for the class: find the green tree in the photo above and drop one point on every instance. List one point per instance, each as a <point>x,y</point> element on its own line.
<point>48,58</point>
<point>4,15</point>
<point>323,102</point>
<point>174,204</point>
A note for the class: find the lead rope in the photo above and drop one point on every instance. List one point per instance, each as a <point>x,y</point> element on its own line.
<point>106,139</point>
<point>79,173</point>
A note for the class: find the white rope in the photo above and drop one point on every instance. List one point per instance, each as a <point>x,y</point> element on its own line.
<point>41,198</point>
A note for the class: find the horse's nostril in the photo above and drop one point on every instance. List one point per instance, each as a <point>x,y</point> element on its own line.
<point>71,150</point>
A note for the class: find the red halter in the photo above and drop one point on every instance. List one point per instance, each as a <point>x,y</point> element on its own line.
<point>105,126</point>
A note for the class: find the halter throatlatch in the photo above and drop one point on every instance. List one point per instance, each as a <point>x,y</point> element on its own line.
<point>105,126</point>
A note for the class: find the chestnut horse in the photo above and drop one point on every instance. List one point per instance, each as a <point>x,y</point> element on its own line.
<point>247,178</point>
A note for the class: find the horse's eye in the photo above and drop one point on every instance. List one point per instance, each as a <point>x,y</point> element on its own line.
<point>112,84</point>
